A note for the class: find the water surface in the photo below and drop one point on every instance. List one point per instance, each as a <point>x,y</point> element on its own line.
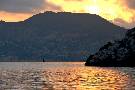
<point>64,76</point>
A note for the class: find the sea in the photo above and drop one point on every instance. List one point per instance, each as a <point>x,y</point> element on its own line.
<point>64,76</point>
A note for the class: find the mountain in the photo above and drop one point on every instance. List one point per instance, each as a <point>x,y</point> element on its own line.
<point>118,53</point>
<point>55,37</point>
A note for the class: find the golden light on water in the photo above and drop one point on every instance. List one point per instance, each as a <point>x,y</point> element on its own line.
<point>88,78</point>
<point>64,76</point>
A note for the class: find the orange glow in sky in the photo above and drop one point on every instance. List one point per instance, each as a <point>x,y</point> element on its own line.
<point>113,10</point>
<point>14,17</point>
<point>116,11</point>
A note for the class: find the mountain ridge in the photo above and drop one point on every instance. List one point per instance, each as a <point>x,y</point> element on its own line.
<point>56,36</point>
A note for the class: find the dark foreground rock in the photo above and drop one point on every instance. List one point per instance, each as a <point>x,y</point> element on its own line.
<point>117,53</point>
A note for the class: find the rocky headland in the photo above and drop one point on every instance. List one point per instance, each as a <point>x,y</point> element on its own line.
<point>117,53</point>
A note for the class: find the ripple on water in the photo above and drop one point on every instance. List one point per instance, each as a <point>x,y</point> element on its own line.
<point>66,76</point>
<point>86,78</point>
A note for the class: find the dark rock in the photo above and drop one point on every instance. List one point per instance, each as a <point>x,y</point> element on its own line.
<point>119,53</point>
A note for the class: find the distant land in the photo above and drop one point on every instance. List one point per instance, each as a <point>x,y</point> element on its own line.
<point>61,36</point>
<point>117,53</point>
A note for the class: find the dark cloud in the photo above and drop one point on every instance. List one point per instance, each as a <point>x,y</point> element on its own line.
<point>22,6</point>
<point>130,3</point>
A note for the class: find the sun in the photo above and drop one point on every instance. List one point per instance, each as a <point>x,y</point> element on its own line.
<point>93,10</point>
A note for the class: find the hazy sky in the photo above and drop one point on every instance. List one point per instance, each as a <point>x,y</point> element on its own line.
<point>121,12</point>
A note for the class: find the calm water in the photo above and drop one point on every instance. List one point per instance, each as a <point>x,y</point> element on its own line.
<point>64,76</point>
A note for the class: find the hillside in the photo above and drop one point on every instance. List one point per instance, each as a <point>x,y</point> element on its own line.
<point>56,36</point>
<point>118,53</point>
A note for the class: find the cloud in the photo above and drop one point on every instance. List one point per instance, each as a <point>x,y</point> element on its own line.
<point>51,7</point>
<point>121,22</point>
<point>130,3</point>
<point>122,12</point>
<point>21,6</point>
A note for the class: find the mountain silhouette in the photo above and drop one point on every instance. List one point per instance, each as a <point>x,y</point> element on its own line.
<point>61,36</point>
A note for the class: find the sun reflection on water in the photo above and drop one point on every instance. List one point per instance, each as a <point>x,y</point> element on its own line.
<point>86,78</point>
<point>64,76</point>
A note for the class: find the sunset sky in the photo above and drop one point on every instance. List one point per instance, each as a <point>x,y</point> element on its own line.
<point>121,12</point>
